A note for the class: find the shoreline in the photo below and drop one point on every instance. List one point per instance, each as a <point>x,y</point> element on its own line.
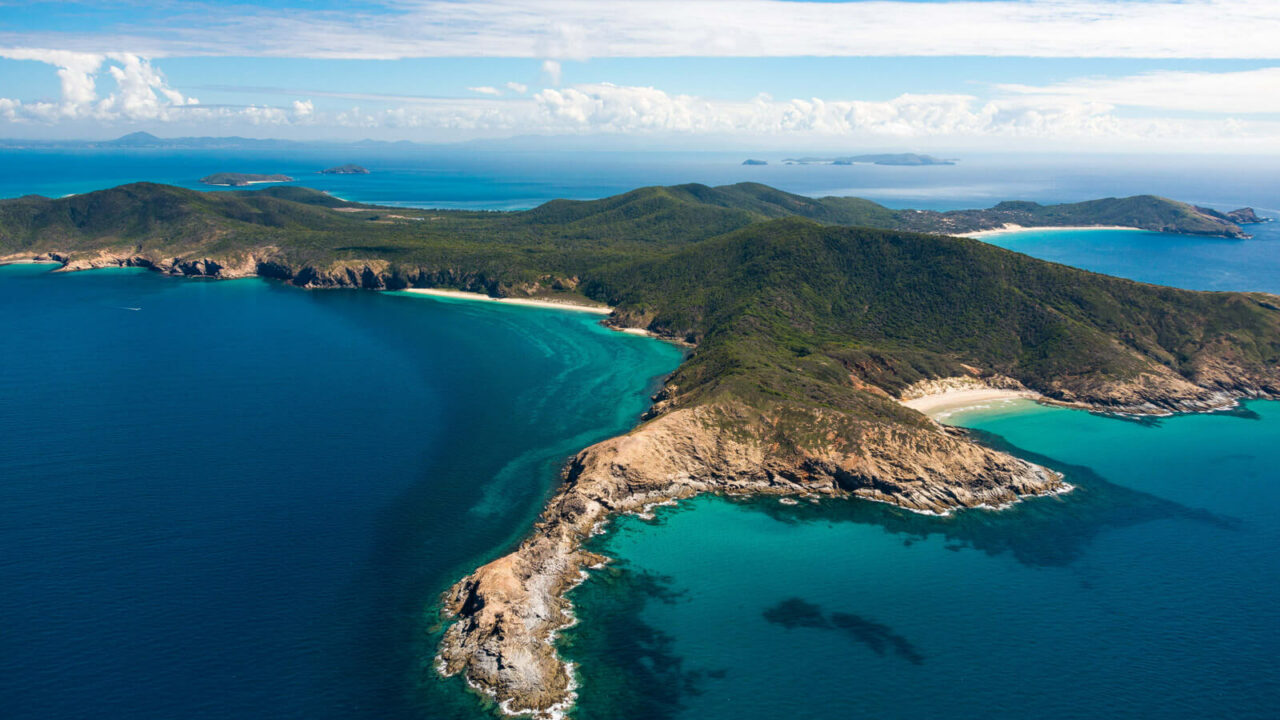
<point>946,403</point>
<point>479,297</point>
<point>1011,228</point>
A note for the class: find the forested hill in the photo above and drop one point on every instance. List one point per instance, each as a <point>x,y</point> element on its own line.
<point>761,279</point>
<point>651,216</point>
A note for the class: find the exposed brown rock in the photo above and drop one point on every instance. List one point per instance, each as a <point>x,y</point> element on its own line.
<point>508,612</point>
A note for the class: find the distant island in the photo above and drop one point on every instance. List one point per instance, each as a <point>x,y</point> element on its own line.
<point>811,323</point>
<point>240,179</point>
<point>881,159</point>
<point>347,169</point>
<point>749,161</point>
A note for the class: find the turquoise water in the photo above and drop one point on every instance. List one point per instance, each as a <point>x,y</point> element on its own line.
<point>1147,592</point>
<point>1196,263</point>
<point>239,499</point>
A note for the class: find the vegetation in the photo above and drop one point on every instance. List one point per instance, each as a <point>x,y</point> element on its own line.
<point>789,304</point>
<point>239,179</point>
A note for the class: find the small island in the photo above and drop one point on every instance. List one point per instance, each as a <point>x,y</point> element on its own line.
<point>750,161</point>
<point>348,169</point>
<point>241,179</point>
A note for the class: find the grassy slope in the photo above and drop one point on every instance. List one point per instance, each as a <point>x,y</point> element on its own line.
<point>783,309</point>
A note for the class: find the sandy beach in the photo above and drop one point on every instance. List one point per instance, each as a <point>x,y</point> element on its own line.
<point>946,403</point>
<point>555,305</point>
<point>1012,228</point>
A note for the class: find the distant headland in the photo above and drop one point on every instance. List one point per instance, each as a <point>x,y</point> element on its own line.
<point>750,161</point>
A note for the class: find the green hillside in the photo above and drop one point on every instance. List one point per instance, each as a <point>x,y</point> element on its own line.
<point>785,300</point>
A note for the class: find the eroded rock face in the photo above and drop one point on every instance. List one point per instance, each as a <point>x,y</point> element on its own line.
<point>508,612</point>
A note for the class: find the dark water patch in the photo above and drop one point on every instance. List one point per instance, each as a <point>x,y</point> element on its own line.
<point>1044,532</point>
<point>1151,421</point>
<point>630,669</point>
<point>796,612</point>
<point>1241,411</point>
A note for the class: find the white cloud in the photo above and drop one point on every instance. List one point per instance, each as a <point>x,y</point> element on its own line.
<point>518,88</point>
<point>1250,91</point>
<point>579,29</point>
<point>552,70</point>
<point>1085,110</point>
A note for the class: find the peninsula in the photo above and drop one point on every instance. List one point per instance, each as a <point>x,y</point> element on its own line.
<point>811,322</point>
<point>241,179</point>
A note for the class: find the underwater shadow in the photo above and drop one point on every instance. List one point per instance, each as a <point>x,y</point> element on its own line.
<point>1040,532</point>
<point>879,638</point>
<point>627,667</point>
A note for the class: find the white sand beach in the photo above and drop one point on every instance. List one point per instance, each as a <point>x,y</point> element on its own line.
<point>1012,228</point>
<point>946,403</point>
<point>553,304</point>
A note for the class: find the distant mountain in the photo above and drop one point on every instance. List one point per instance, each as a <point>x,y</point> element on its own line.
<point>749,161</point>
<point>138,139</point>
<point>878,159</point>
<point>348,169</point>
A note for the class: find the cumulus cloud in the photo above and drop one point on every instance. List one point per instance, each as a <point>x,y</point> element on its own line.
<point>141,92</point>
<point>580,29</point>
<point>1086,109</point>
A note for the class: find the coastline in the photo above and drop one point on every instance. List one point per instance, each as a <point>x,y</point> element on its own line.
<point>1013,228</point>
<point>479,297</point>
<point>942,404</point>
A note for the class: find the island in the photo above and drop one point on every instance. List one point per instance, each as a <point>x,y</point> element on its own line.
<point>241,179</point>
<point>812,325</point>
<point>750,161</point>
<point>347,169</point>
<point>907,159</point>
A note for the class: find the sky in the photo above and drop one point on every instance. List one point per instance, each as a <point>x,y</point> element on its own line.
<point>926,75</point>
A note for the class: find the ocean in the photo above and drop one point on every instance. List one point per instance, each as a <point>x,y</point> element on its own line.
<point>240,499</point>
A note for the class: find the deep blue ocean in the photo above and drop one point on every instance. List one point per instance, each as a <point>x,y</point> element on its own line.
<point>239,499</point>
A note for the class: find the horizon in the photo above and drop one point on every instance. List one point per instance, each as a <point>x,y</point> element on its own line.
<point>927,76</point>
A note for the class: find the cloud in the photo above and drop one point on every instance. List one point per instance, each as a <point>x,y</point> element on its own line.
<point>517,88</point>
<point>552,70</point>
<point>1086,110</point>
<point>581,29</point>
<point>1245,92</point>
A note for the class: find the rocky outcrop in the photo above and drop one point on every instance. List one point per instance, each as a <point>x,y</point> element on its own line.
<point>507,613</point>
<point>269,262</point>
